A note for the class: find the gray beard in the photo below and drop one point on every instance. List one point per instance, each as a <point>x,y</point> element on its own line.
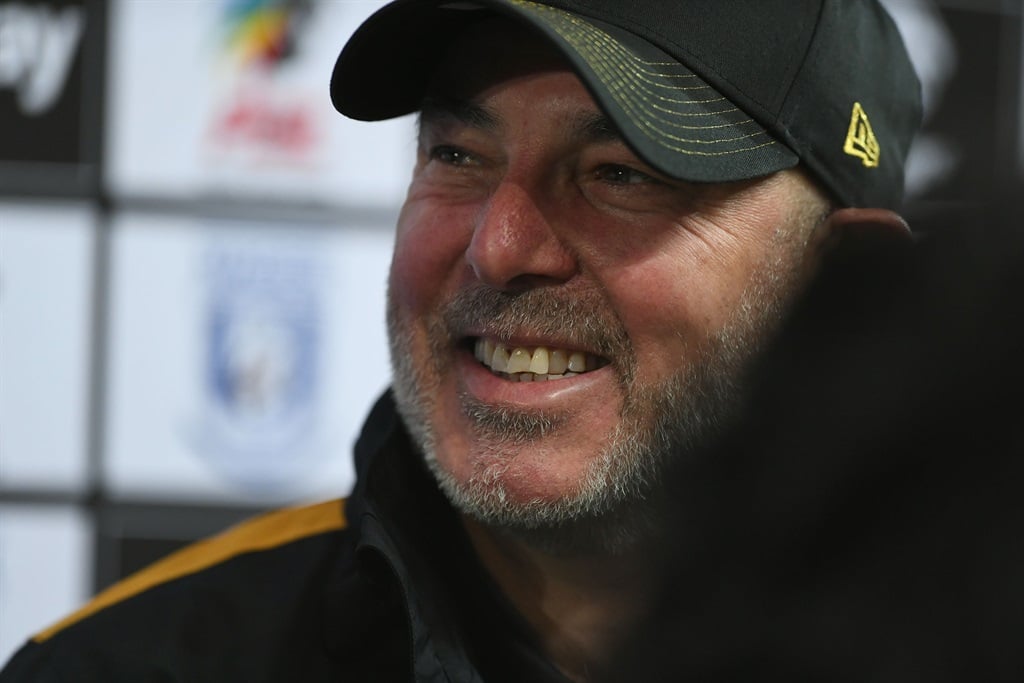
<point>619,502</point>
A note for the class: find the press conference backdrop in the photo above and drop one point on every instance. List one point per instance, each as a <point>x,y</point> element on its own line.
<point>193,250</point>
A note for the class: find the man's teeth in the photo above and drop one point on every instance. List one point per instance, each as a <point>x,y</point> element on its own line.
<point>533,364</point>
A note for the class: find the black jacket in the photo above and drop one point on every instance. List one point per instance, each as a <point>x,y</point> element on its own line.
<point>380,587</point>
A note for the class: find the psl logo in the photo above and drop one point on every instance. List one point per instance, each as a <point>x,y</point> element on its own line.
<point>262,121</point>
<point>264,32</point>
<point>37,49</point>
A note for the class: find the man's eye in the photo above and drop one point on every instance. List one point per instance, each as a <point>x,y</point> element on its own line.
<point>448,154</point>
<point>622,175</point>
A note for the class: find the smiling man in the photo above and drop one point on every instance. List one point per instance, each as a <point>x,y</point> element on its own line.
<point>565,318</point>
<point>612,205</point>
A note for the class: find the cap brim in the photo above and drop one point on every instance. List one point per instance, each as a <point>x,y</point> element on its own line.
<point>665,112</point>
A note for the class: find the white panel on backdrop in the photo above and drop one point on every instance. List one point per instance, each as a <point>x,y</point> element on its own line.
<point>243,357</point>
<point>46,272</point>
<point>230,97</point>
<point>44,555</point>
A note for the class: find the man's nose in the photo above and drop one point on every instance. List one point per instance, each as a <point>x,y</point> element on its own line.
<point>514,244</point>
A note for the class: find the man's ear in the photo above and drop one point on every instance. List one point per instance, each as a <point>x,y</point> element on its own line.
<point>864,230</point>
<point>850,235</point>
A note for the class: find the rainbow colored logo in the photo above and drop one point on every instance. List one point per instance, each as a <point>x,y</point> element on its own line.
<point>263,32</point>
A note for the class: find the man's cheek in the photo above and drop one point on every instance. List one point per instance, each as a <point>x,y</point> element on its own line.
<point>429,255</point>
<point>417,275</point>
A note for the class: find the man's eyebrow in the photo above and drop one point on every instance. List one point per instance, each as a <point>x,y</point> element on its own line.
<point>593,127</point>
<point>438,108</point>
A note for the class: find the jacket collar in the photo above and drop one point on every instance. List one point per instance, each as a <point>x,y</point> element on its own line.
<point>410,539</point>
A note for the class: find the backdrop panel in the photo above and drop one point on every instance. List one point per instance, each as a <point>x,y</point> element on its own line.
<point>231,98</point>
<point>46,276</point>
<point>51,68</point>
<point>44,555</point>
<point>243,356</point>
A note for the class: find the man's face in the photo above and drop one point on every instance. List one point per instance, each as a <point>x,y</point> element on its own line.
<point>625,302</point>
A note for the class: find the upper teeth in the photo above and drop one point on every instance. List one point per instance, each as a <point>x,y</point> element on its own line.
<point>540,362</point>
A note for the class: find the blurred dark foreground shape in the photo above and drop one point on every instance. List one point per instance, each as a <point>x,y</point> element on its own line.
<point>865,521</point>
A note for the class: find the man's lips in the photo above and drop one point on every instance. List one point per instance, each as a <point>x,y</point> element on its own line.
<point>533,363</point>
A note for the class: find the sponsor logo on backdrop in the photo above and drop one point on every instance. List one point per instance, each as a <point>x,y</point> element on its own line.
<point>41,91</point>
<point>37,49</point>
<point>259,422</point>
<point>267,116</point>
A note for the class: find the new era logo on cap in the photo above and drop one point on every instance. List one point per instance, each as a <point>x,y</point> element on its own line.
<point>860,139</point>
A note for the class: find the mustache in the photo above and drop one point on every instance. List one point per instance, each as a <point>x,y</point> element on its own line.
<point>577,317</point>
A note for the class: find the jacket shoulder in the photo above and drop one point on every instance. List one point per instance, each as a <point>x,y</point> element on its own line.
<point>217,590</point>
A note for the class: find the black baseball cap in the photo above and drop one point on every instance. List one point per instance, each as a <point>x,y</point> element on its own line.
<point>703,90</point>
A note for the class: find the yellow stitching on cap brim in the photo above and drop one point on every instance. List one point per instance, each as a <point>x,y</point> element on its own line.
<point>593,37</point>
<point>586,39</point>
<point>589,42</point>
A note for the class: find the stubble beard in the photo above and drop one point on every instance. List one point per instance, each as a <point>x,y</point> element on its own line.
<point>618,503</point>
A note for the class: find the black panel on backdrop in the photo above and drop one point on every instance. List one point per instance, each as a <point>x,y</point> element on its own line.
<point>50,94</point>
<point>975,127</point>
